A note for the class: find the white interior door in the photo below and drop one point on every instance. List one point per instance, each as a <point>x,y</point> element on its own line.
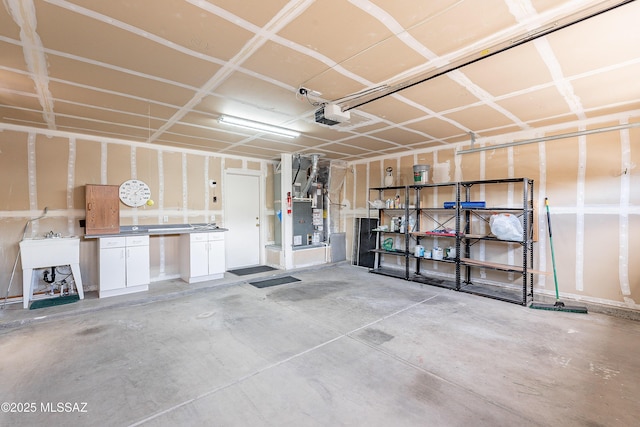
<point>242,218</point>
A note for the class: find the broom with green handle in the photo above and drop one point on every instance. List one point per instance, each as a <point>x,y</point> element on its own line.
<point>559,305</point>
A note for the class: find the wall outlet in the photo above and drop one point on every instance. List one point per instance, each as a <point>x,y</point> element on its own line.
<point>165,218</point>
<point>212,183</point>
<point>213,219</point>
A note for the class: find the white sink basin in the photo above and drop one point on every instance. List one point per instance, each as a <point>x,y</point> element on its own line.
<point>38,253</point>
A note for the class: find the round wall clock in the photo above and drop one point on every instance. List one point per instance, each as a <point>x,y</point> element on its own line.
<point>134,193</point>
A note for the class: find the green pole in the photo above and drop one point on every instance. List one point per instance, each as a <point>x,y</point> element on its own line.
<point>553,258</point>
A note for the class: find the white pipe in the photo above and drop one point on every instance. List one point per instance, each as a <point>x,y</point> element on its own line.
<point>15,264</point>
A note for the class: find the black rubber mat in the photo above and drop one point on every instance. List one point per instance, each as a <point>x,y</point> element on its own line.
<point>274,282</point>
<point>251,270</point>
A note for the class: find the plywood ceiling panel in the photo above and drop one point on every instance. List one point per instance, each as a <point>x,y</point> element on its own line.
<point>616,109</point>
<point>164,72</point>
<point>305,143</point>
<point>283,64</point>
<point>334,83</point>
<point>426,146</point>
<point>178,21</point>
<point>463,24</point>
<point>580,49</point>
<point>96,127</point>
<point>12,57</point>
<point>538,104</point>
<point>243,150</point>
<point>345,149</point>
<point>206,132</point>
<point>478,118</point>
<point>108,116</point>
<point>410,13</point>
<point>192,138</point>
<point>92,97</point>
<point>257,13</point>
<point>92,76</point>
<point>440,94</point>
<point>399,136</point>
<point>398,57</point>
<point>329,28</point>
<point>614,95</point>
<point>114,46</point>
<point>8,27</point>
<point>23,116</point>
<point>369,143</point>
<point>511,71</point>
<point>277,146</point>
<point>435,127</point>
<point>393,109</point>
<point>15,82</point>
<point>187,141</point>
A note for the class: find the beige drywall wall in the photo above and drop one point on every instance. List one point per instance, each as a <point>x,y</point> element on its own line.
<point>38,170</point>
<point>591,182</point>
<point>14,191</point>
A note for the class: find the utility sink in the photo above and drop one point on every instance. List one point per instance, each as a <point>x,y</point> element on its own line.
<point>49,252</point>
<point>39,253</point>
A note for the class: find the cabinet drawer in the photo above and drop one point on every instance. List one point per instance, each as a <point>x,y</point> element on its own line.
<point>112,242</point>
<point>198,237</point>
<point>216,236</point>
<point>137,240</point>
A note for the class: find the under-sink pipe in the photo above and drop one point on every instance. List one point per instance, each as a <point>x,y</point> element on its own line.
<point>314,173</point>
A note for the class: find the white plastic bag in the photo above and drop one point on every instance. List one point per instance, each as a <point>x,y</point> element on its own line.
<point>506,227</point>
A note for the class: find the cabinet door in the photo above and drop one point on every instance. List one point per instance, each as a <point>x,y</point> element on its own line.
<point>102,214</point>
<point>137,265</point>
<point>199,262</point>
<point>216,257</point>
<point>112,269</point>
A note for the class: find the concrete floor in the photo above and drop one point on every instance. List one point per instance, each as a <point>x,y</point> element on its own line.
<point>340,347</point>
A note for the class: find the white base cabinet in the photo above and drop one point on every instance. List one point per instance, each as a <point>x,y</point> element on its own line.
<point>202,256</point>
<point>124,265</point>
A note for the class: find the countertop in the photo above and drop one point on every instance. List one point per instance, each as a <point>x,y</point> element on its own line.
<point>160,229</point>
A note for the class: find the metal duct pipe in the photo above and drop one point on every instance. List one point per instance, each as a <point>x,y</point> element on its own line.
<point>314,173</point>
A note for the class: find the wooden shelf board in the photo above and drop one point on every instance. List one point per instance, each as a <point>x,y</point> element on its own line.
<point>498,266</point>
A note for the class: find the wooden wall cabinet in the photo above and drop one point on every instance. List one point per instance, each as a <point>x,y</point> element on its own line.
<point>102,209</point>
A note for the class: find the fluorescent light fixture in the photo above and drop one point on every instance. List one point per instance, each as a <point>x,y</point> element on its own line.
<point>235,121</point>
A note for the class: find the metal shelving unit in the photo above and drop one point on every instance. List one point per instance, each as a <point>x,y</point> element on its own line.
<point>399,197</point>
<point>458,223</point>
<point>523,210</point>
<point>432,225</point>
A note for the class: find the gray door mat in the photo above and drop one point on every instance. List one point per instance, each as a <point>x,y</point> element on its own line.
<point>273,282</point>
<point>251,270</point>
